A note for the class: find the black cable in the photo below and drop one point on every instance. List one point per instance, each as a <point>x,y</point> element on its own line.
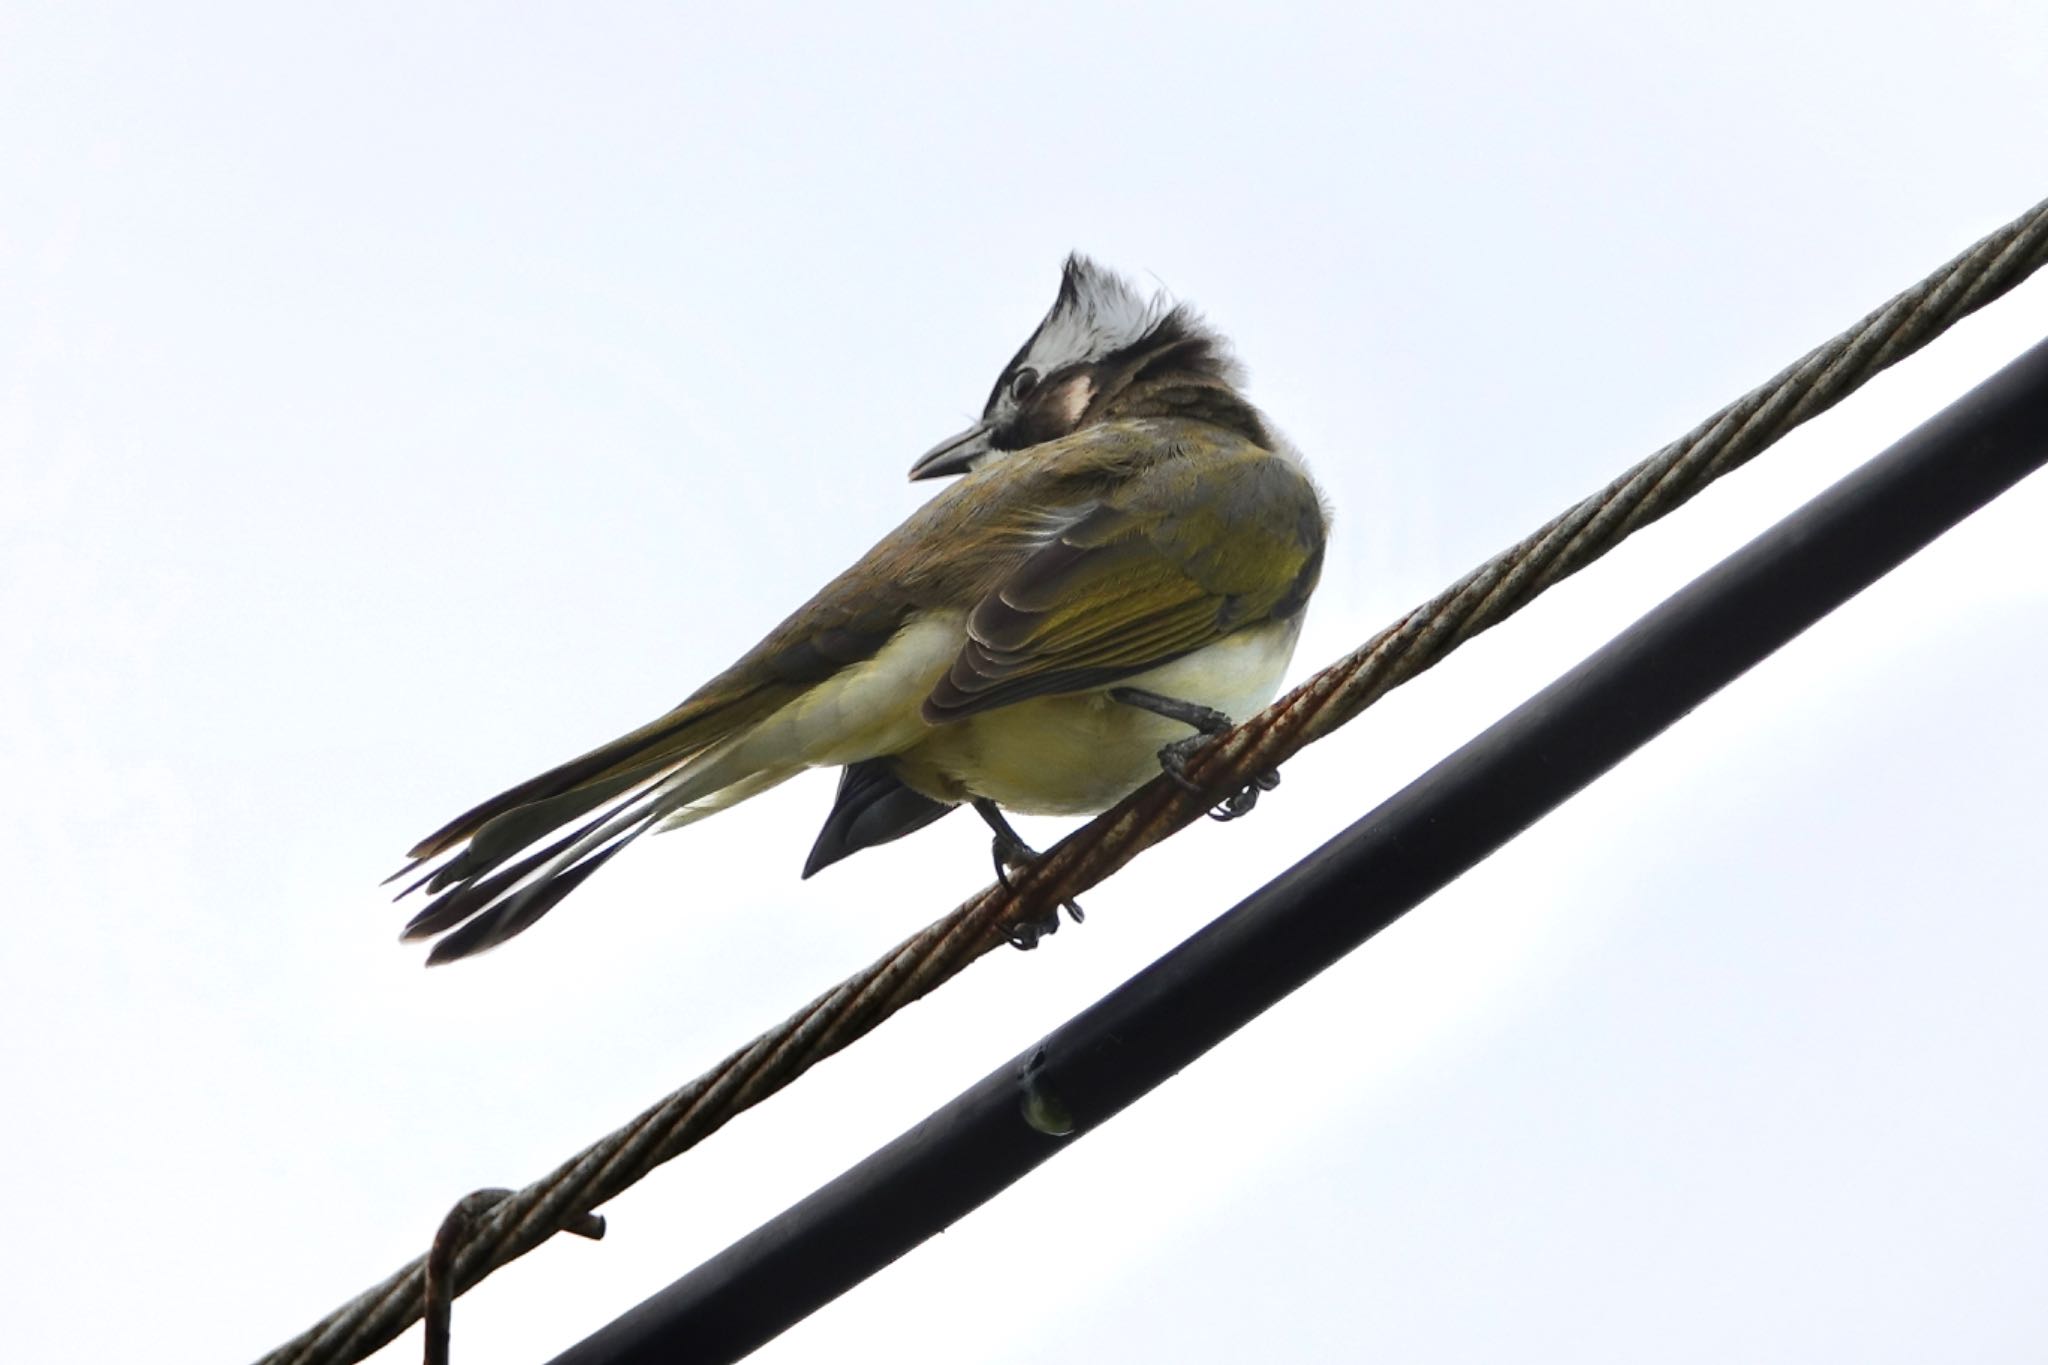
<point>1419,840</point>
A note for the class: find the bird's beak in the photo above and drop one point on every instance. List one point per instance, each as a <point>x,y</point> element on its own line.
<point>954,455</point>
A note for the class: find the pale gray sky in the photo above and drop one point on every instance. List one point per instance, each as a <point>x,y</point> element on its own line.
<point>395,400</point>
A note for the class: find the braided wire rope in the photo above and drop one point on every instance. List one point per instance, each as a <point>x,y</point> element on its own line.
<point>1489,594</point>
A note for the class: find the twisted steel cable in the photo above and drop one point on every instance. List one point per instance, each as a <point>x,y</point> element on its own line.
<point>564,1198</point>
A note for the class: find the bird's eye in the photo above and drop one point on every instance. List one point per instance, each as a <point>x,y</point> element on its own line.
<point>1022,383</point>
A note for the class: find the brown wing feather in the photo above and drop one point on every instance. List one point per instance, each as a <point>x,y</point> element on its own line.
<point>1177,557</point>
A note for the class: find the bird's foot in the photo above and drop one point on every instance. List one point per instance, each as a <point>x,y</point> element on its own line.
<point>1173,758</point>
<point>1010,851</point>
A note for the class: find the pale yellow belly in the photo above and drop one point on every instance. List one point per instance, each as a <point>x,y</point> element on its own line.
<point>1074,755</point>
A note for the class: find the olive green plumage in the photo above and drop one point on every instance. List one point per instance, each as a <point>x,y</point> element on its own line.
<point>1168,519</point>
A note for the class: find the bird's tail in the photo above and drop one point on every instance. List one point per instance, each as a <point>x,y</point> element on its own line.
<point>488,879</point>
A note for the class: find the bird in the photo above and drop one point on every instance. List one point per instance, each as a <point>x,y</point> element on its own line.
<point>1119,567</point>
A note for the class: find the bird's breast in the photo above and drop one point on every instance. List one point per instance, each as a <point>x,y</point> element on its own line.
<point>1082,753</point>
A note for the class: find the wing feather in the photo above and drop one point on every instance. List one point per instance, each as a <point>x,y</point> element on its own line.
<point>1174,559</point>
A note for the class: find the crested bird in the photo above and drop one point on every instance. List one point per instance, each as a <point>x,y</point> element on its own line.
<point>1120,567</point>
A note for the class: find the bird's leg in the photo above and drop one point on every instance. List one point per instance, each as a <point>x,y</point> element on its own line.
<point>1010,851</point>
<point>1208,722</point>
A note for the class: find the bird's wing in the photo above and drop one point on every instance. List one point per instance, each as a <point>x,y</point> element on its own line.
<point>1184,553</point>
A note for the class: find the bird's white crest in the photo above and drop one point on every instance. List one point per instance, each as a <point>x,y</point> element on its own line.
<point>1097,312</point>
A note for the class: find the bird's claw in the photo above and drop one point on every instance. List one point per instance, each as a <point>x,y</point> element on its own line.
<point>1025,933</point>
<point>1173,760</point>
<point>1241,801</point>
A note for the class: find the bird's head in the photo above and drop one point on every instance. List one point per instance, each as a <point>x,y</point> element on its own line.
<point>1101,343</point>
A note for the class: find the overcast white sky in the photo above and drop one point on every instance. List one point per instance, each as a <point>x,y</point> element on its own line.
<point>395,400</point>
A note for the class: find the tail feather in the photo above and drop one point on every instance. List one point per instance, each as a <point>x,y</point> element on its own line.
<point>449,909</point>
<point>719,747</point>
<point>725,798</point>
<point>508,917</point>
<point>484,911</point>
<point>492,908</point>
<point>491,882</point>
<point>696,724</point>
<point>504,835</point>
